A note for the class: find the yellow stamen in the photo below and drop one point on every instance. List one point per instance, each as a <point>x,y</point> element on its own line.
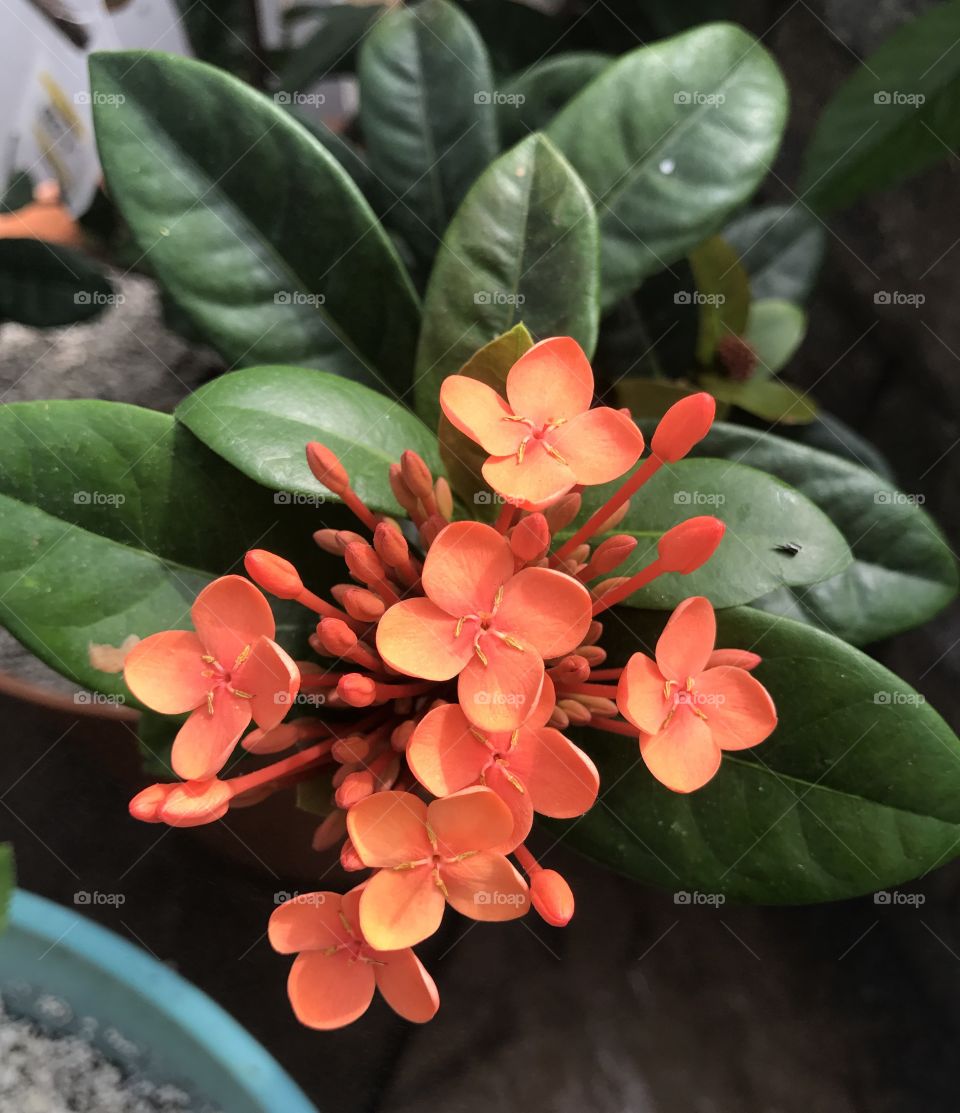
<point>242,656</point>
<point>459,630</point>
<point>439,882</point>
<point>209,660</point>
<point>512,642</point>
<point>498,598</point>
<point>431,835</point>
<point>479,652</point>
<point>241,695</point>
<point>553,452</point>
<point>210,702</point>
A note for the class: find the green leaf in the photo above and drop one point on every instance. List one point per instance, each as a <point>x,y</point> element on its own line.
<point>462,457</point>
<point>427,114</point>
<point>775,329</point>
<point>531,99</point>
<point>646,398</point>
<point>112,518</point>
<point>261,419</point>
<point>903,571</point>
<point>248,222</point>
<point>768,399</point>
<point>723,294</point>
<point>857,790</point>
<point>896,115</point>
<point>8,880</point>
<point>316,795</point>
<point>782,248</point>
<point>670,140</point>
<point>761,513</point>
<point>44,285</point>
<point>828,433</point>
<point>523,245</point>
<point>332,47</point>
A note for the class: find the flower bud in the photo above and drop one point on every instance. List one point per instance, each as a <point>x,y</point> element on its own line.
<point>562,513</point>
<point>330,831</point>
<point>146,805</point>
<point>530,538</point>
<point>444,497</point>
<point>685,424</point>
<point>363,563</point>
<point>273,573</point>
<point>282,737</point>
<point>350,860</point>
<point>611,553</point>
<point>351,750</point>
<point>578,715</point>
<point>356,689</point>
<point>354,788</point>
<point>552,897</point>
<point>416,474</point>
<point>689,545</point>
<point>391,545</point>
<point>326,467</point>
<point>359,603</point>
<point>335,636</point>
<point>196,802</point>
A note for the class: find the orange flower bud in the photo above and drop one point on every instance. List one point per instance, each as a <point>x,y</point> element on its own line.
<point>574,711</point>
<point>611,553</point>
<point>552,897</point>
<point>330,831</point>
<point>359,603</point>
<point>335,636</point>
<point>354,788</point>
<point>273,573</point>
<point>685,424</point>
<point>391,545</point>
<point>562,513</point>
<point>416,474</point>
<point>350,859</point>
<point>146,805</point>
<point>444,497</point>
<point>351,750</point>
<point>530,538</point>
<point>327,468</point>
<point>689,545</point>
<point>356,689</point>
<point>363,563</point>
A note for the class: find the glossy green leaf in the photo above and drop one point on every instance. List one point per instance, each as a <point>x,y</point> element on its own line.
<point>262,418</point>
<point>670,140</point>
<point>761,512</point>
<point>427,113</point>
<point>248,222</point>
<point>44,285</point>
<point>462,457</point>
<point>903,571</point>
<point>768,399</point>
<point>522,246</point>
<point>775,329</point>
<point>332,47</point>
<point>531,99</point>
<point>857,790</point>
<point>112,518</point>
<point>722,294</point>
<point>782,248</point>
<point>828,433</point>
<point>897,114</point>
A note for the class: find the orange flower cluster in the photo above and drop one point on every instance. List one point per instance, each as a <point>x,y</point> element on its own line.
<point>449,670</point>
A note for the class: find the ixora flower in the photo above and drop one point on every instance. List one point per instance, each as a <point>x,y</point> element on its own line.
<point>486,624</point>
<point>428,855</point>
<point>545,439</point>
<point>229,672</point>
<point>692,703</point>
<point>333,977</point>
<point>447,673</point>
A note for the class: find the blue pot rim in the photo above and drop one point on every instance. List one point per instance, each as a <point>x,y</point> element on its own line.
<point>209,1026</point>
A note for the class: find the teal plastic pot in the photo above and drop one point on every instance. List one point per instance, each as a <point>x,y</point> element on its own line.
<point>73,976</point>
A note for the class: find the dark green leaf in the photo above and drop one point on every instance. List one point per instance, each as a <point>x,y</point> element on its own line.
<point>261,420</point>
<point>903,571</point>
<point>782,248</point>
<point>775,329</point>
<point>427,115</point>
<point>828,433</point>
<point>44,285</point>
<point>857,790</point>
<point>112,518</point>
<point>332,46</point>
<point>761,514</point>
<point>722,295</point>
<point>530,100</point>
<point>896,115</point>
<point>522,246</point>
<point>670,140</point>
<point>768,399</point>
<point>249,223</point>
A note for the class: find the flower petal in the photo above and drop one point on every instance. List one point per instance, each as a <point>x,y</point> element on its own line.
<point>473,819</point>
<point>329,991</point>
<point>739,710</point>
<point>513,792</point>
<point>272,678</point>
<point>738,658</point>
<point>559,777</point>
<point>640,694</point>
<point>687,639</point>
<point>165,672</point>
<point>551,381</point>
<point>205,741</point>
<point>444,753</point>
<point>465,567</point>
<point>599,445</point>
<point>545,704</point>
<point>533,482</point>
<point>407,987</point>
<point>499,695</point>
<point>481,414</point>
<point>389,829</point>
<point>230,614</point>
<point>486,887</point>
<point>418,638</point>
<point>684,755</point>
<point>306,922</point>
<point>399,908</point>
<point>546,609</point>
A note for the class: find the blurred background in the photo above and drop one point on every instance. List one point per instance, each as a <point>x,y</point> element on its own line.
<point>642,1003</point>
